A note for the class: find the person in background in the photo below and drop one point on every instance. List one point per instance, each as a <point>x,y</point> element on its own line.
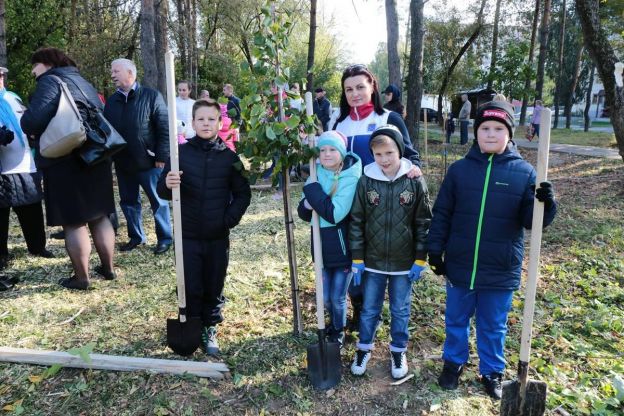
<point>322,107</point>
<point>214,194</point>
<point>476,240</point>
<point>226,133</point>
<point>139,114</point>
<point>464,119</point>
<point>233,102</point>
<point>77,197</point>
<point>536,119</point>
<point>393,100</point>
<point>204,95</point>
<point>295,101</point>
<point>20,183</point>
<point>184,108</point>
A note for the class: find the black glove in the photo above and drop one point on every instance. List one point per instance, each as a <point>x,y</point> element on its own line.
<point>545,194</point>
<point>436,264</point>
<point>6,136</point>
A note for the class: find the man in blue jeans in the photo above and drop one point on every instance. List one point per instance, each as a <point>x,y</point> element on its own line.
<point>140,115</point>
<point>464,119</point>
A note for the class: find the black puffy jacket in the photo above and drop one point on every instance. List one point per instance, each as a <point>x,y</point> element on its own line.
<point>214,194</point>
<point>142,119</point>
<point>44,103</point>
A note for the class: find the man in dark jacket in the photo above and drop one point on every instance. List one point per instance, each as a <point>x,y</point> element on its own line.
<point>139,114</point>
<point>393,99</point>
<point>322,107</point>
<point>233,102</point>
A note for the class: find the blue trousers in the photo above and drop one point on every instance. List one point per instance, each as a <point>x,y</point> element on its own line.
<point>130,202</point>
<point>400,294</point>
<point>335,284</point>
<point>463,131</point>
<point>490,308</point>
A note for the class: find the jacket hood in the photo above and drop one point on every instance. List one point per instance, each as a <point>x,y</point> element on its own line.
<point>206,145</point>
<point>396,94</point>
<point>374,171</point>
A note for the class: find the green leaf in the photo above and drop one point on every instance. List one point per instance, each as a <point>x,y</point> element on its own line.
<point>293,122</point>
<point>83,352</point>
<point>270,133</point>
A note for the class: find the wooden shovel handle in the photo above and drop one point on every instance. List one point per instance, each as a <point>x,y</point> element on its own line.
<point>316,233</point>
<point>536,238</point>
<point>175,167</point>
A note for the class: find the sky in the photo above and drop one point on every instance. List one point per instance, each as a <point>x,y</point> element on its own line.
<point>361,32</point>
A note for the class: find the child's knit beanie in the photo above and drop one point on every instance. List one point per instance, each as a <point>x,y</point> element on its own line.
<point>500,111</point>
<point>335,139</point>
<point>390,131</point>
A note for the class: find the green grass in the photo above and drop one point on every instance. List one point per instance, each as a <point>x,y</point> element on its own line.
<point>577,347</point>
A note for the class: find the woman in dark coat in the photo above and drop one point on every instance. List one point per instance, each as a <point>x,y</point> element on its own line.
<point>77,197</point>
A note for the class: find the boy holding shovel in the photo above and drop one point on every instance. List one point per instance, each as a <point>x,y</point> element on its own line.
<point>214,197</point>
<point>476,240</point>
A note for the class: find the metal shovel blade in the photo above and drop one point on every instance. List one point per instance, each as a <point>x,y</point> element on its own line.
<point>184,337</point>
<point>534,403</point>
<point>324,365</point>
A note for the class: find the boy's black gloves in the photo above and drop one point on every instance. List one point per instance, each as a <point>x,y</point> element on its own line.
<point>545,194</point>
<point>436,264</point>
<point>6,136</point>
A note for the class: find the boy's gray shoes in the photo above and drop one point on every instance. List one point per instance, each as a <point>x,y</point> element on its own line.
<point>209,340</point>
<point>398,364</point>
<point>358,367</point>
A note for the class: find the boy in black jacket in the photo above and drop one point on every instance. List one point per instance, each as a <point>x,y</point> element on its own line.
<point>214,195</point>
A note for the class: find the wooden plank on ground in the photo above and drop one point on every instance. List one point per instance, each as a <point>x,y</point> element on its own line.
<point>113,362</point>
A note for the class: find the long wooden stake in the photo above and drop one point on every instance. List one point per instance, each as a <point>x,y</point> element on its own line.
<point>112,362</point>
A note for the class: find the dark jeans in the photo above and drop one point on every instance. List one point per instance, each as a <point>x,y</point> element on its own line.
<point>130,202</point>
<point>463,131</point>
<point>205,267</point>
<point>31,220</point>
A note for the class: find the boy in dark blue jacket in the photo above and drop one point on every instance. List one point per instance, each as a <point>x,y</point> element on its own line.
<point>214,195</point>
<point>476,240</point>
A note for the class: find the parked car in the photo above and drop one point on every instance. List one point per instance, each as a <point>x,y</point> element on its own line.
<point>432,115</point>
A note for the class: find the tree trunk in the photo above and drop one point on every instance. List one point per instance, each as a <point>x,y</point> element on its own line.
<point>311,47</point>
<point>148,50</point>
<point>392,28</point>
<point>3,49</point>
<point>182,27</point>
<point>527,81</point>
<point>541,62</point>
<point>415,69</point>
<point>558,86</point>
<point>494,45</point>
<point>604,58</point>
<point>161,44</point>
<point>588,99</point>
<point>576,75</point>
<point>449,72</point>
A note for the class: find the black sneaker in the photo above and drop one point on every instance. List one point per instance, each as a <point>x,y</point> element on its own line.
<point>336,336</point>
<point>493,385</point>
<point>106,274</point>
<point>209,340</point>
<point>449,378</point>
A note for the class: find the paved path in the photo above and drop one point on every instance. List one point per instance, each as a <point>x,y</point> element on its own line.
<point>573,149</point>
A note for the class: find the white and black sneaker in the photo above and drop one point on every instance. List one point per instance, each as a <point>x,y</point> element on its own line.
<point>398,364</point>
<point>209,340</point>
<point>358,367</point>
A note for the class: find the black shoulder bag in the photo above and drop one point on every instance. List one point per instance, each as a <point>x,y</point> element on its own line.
<point>103,141</point>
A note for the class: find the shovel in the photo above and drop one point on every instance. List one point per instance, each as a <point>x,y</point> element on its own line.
<point>523,396</point>
<point>324,365</point>
<point>183,334</point>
